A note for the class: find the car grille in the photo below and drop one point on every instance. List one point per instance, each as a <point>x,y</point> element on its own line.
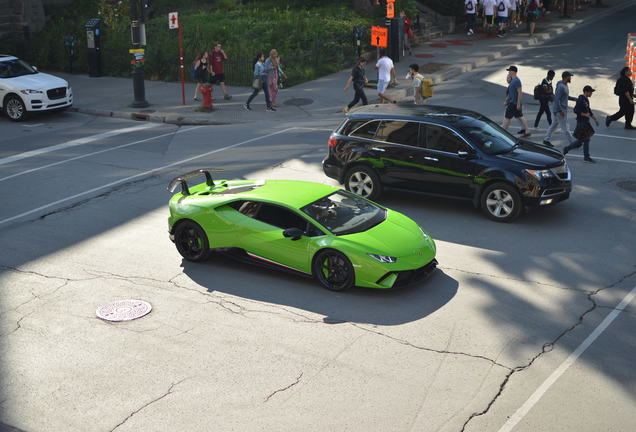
<point>407,277</point>
<point>562,172</point>
<point>56,93</point>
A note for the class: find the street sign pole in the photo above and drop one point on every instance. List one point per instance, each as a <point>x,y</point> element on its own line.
<point>181,65</point>
<point>136,28</point>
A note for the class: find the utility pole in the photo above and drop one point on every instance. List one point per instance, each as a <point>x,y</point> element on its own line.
<point>138,35</point>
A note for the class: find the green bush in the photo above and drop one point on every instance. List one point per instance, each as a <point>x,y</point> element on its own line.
<point>311,41</point>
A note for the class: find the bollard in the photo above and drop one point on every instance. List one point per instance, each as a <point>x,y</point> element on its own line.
<point>206,90</point>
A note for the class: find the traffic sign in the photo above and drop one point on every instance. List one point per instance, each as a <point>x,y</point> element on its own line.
<point>390,10</point>
<point>379,36</point>
<point>173,20</point>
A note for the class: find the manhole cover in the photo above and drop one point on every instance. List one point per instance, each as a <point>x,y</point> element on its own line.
<point>299,101</point>
<point>629,185</point>
<point>123,310</point>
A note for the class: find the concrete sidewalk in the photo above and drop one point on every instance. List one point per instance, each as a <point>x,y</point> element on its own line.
<point>440,59</point>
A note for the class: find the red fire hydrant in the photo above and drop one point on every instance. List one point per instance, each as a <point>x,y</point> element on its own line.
<point>206,91</point>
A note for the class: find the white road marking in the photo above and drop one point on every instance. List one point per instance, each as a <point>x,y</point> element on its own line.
<point>614,136</point>
<point>32,125</point>
<point>543,388</point>
<point>145,173</point>
<point>77,142</point>
<point>601,158</point>
<point>96,153</point>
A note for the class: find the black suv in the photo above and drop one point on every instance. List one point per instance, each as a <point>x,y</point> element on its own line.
<point>445,151</point>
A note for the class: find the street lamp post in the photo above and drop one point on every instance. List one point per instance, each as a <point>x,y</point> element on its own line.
<point>138,40</point>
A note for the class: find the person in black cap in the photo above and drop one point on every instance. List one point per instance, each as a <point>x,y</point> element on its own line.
<point>560,109</point>
<point>624,89</point>
<point>584,131</point>
<point>513,102</point>
<point>545,96</point>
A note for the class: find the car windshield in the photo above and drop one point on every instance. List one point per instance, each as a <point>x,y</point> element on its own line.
<point>15,68</point>
<point>488,136</point>
<point>345,213</point>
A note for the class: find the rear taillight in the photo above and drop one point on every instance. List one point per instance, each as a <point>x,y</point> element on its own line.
<point>332,142</point>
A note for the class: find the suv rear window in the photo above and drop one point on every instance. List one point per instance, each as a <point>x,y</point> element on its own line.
<point>398,132</point>
<point>366,129</point>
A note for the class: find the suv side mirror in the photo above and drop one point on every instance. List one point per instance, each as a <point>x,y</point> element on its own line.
<point>294,233</point>
<point>34,68</point>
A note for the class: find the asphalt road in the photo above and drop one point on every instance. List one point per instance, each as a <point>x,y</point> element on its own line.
<point>518,330</point>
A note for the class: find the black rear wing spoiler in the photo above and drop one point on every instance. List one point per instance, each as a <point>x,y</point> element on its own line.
<point>183,179</point>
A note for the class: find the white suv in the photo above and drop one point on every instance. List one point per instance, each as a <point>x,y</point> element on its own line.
<point>23,89</point>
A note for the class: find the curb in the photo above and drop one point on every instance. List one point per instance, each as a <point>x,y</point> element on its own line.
<point>175,119</point>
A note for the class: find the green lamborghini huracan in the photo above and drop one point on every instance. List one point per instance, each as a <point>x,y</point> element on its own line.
<point>337,237</point>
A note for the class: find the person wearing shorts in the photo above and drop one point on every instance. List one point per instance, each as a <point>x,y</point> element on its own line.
<point>513,102</point>
<point>386,73</point>
<point>217,57</point>
<point>502,16</point>
<point>489,15</point>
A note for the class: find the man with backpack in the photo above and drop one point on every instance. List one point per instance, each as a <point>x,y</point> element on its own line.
<point>560,109</point>
<point>418,83</point>
<point>502,16</point>
<point>544,93</point>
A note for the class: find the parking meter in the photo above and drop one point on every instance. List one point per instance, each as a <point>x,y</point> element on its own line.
<point>357,35</point>
<point>69,44</point>
<point>94,46</point>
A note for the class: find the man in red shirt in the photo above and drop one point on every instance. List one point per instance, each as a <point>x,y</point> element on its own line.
<point>217,57</point>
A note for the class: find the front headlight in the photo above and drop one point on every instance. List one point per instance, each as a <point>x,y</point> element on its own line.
<point>383,258</point>
<point>426,236</point>
<point>540,174</point>
<point>28,91</point>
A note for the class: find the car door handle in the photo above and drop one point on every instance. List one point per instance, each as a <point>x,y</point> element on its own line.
<point>377,149</point>
<point>431,159</point>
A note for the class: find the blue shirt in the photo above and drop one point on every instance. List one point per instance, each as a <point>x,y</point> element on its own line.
<point>512,90</point>
<point>259,70</point>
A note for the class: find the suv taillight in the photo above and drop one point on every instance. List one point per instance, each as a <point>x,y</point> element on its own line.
<point>332,142</point>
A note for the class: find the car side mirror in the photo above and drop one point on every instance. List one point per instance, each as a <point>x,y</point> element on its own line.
<point>34,68</point>
<point>293,233</point>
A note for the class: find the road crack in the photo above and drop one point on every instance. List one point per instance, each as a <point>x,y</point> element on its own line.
<point>285,388</point>
<point>438,351</point>
<point>546,348</point>
<point>167,393</point>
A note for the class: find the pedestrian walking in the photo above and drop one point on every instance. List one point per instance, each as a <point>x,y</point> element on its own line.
<point>274,75</point>
<point>201,72</point>
<point>260,82</point>
<point>217,58</point>
<point>471,10</point>
<point>513,102</point>
<point>584,130</point>
<point>502,16</point>
<point>408,32</point>
<point>415,75</point>
<point>545,96</point>
<point>512,14</point>
<point>624,89</point>
<point>386,74</point>
<point>359,80</point>
<point>560,109</point>
<point>532,12</point>
<point>489,15</point>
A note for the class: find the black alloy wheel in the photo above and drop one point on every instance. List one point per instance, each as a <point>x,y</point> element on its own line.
<point>501,202</point>
<point>363,181</point>
<point>191,241</point>
<point>14,108</point>
<point>334,270</point>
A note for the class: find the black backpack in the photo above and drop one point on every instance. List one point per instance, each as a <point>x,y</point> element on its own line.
<point>501,7</point>
<point>617,92</point>
<point>539,91</point>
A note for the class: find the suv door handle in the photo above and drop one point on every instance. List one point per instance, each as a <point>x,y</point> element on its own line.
<point>377,149</point>
<point>431,158</point>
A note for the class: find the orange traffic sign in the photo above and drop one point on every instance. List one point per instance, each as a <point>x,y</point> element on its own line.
<point>390,10</point>
<point>379,36</point>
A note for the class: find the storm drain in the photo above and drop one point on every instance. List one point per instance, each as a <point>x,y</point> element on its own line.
<point>629,185</point>
<point>299,101</point>
<point>123,310</point>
